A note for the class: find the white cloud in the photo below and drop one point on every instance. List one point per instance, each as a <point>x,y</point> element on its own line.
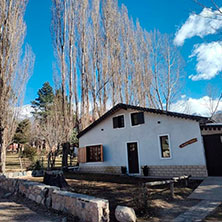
<point>199,106</point>
<point>205,23</point>
<point>209,62</point>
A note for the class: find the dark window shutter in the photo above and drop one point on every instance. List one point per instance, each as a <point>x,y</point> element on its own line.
<point>121,121</point>
<point>115,122</point>
<point>133,119</point>
<point>137,118</point>
<point>141,118</point>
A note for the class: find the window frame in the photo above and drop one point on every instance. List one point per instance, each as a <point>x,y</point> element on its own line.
<point>122,114</point>
<point>102,153</point>
<point>130,117</point>
<point>160,147</point>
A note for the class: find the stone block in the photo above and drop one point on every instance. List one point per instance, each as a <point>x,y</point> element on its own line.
<point>39,199</point>
<point>125,214</point>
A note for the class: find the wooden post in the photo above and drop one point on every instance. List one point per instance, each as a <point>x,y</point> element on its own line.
<point>172,189</point>
<point>20,161</point>
<point>42,162</point>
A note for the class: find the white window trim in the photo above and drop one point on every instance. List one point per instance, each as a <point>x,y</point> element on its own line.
<point>138,153</point>
<point>131,125</point>
<point>160,150</point>
<point>122,114</point>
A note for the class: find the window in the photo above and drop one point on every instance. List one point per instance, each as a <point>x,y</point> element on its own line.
<point>137,118</point>
<point>90,154</point>
<point>94,153</point>
<point>118,121</point>
<point>165,147</point>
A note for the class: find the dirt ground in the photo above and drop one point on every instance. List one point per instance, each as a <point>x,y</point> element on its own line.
<point>15,208</point>
<point>128,191</point>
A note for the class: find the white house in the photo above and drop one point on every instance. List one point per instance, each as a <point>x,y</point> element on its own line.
<point>169,143</point>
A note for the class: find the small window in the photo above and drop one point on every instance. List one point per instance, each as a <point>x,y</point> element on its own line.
<point>94,153</point>
<point>165,147</point>
<point>137,118</point>
<point>118,121</point>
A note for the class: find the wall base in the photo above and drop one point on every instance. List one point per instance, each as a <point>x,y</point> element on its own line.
<point>165,171</point>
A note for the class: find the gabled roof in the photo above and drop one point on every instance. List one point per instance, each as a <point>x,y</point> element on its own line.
<point>138,108</point>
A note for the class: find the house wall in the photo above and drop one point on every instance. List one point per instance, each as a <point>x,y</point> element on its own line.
<point>188,160</point>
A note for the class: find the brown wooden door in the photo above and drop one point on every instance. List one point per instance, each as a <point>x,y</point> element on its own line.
<point>133,157</point>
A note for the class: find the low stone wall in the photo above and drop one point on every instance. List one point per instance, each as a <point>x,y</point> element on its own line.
<point>159,170</point>
<point>86,208</point>
<point>100,169</point>
<point>171,170</point>
<point>17,174</point>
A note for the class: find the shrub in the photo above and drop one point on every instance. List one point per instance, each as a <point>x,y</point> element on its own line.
<point>37,165</point>
<point>29,152</point>
<point>142,200</point>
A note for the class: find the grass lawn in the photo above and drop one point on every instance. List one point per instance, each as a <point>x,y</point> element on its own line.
<point>13,163</point>
<point>127,191</point>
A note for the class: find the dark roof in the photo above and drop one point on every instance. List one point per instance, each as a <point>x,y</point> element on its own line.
<point>138,108</point>
<point>211,126</point>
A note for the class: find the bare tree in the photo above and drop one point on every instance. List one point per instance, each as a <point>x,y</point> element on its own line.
<point>14,71</point>
<point>213,100</point>
<point>167,70</point>
<point>105,58</point>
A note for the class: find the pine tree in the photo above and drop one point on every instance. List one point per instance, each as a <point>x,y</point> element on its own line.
<point>22,134</point>
<point>42,104</point>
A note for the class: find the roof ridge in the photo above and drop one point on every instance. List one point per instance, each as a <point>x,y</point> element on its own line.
<point>145,109</point>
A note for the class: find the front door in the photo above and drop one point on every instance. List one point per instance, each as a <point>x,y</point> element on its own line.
<point>213,151</point>
<point>133,157</point>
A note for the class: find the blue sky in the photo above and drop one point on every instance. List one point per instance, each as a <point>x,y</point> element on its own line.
<point>166,16</point>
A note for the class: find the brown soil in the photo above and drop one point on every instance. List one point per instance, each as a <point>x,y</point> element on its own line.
<point>128,191</point>
<point>17,208</point>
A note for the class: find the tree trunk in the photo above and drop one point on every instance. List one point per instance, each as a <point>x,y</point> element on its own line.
<point>3,157</point>
<point>65,152</point>
<point>2,152</point>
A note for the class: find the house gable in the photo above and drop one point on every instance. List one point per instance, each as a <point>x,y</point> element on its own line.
<point>141,109</point>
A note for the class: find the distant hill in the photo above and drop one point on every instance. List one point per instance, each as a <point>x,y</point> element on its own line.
<point>24,112</point>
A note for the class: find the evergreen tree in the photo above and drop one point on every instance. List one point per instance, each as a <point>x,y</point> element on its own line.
<point>42,104</point>
<point>22,134</point>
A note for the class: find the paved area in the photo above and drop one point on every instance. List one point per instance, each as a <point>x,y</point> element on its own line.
<point>209,189</point>
<point>198,212</point>
<point>210,194</point>
<point>13,209</point>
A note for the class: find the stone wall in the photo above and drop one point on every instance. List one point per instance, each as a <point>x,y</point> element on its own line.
<point>17,174</point>
<point>159,170</point>
<point>86,208</point>
<point>170,171</point>
<point>100,169</point>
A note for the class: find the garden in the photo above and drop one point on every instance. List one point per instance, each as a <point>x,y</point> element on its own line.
<point>153,204</point>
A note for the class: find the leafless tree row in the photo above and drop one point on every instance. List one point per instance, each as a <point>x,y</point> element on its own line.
<point>104,58</point>
<point>14,71</point>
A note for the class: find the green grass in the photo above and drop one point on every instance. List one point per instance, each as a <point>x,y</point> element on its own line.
<point>13,164</point>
